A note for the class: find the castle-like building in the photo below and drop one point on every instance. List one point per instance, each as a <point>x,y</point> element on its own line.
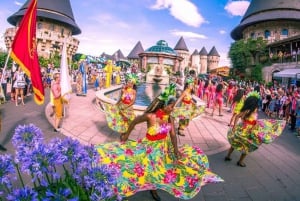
<point>199,61</point>
<point>55,24</point>
<point>277,22</point>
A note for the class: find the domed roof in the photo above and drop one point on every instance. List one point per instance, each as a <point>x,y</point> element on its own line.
<point>162,47</point>
<point>58,10</point>
<point>267,10</point>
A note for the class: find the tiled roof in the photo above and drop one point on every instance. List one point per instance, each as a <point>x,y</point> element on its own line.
<point>181,45</point>
<point>203,51</point>
<point>161,47</point>
<point>134,54</point>
<point>58,10</point>
<point>267,10</point>
<point>195,52</point>
<point>213,52</point>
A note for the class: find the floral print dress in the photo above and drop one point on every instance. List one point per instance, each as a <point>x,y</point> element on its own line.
<point>252,132</point>
<point>149,164</point>
<point>187,111</point>
<point>119,116</point>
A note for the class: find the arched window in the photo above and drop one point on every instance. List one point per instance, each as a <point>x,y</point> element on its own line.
<point>284,32</point>
<point>267,34</point>
<point>252,35</point>
<point>40,25</point>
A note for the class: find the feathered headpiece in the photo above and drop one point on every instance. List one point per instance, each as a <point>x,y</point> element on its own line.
<point>132,78</point>
<point>169,91</point>
<point>189,80</point>
<point>253,93</point>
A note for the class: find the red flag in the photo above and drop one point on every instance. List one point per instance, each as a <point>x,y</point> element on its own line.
<point>24,51</point>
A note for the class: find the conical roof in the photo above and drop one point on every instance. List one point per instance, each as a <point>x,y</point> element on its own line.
<point>134,54</point>
<point>213,52</point>
<point>267,10</point>
<point>58,10</point>
<point>203,52</point>
<point>118,55</point>
<point>195,52</point>
<point>181,45</point>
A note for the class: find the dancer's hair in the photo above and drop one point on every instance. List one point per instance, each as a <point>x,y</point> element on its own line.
<point>159,104</point>
<point>250,105</point>
<point>239,95</point>
<point>219,87</point>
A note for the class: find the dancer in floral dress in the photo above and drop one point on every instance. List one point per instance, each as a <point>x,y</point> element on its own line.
<point>251,132</point>
<point>120,115</point>
<point>187,109</point>
<point>156,162</point>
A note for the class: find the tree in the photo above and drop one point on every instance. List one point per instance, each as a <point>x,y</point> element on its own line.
<point>256,73</point>
<point>246,53</point>
<point>3,56</point>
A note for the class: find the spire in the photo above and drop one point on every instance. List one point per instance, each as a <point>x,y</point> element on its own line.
<point>267,10</point>
<point>118,55</point>
<point>203,52</point>
<point>195,52</point>
<point>58,10</point>
<point>213,52</point>
<point>181,45</point>
<point>134,54</point>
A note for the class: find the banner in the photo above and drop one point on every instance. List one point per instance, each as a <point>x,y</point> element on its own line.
<point>24,51</point>
<point>65,80</point>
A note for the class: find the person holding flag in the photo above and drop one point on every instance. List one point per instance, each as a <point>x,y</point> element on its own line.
<point>24,51</point>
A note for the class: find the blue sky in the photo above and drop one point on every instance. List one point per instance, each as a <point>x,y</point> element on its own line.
<point>110,25</point>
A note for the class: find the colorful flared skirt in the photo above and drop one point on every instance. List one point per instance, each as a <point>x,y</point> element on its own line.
<point>149,165</point>
<point>248,138</point>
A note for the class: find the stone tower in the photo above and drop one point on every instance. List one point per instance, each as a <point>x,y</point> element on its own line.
<point>278,23</point>
<point>195,64</point>
<point>183,52</point>
<point>203,61</point>
<point>273,20</point>
<point>213,59</point>
<point>55,23</point>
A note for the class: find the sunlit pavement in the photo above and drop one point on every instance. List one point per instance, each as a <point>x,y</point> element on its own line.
<point>272,172</point>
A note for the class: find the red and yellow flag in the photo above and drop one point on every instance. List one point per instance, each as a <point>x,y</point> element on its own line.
<point>24,51</point>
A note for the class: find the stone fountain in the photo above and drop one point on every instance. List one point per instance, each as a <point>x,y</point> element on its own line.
<point>158,74</point>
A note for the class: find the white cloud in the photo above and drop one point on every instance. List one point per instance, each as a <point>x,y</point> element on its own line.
<point>237,8</point>
<point>188,34</point>
<point>222,32</point>
<point>18,3</point>
<point>182,10</point>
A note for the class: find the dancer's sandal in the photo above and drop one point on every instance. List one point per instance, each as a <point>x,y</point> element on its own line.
<point>155,195</point>
<point>240,164</point>
<point>227,158</point>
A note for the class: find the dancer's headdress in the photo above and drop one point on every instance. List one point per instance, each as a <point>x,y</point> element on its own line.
<point>253,93</point>
<point>190,80</point>
<point>169,91</point>
<point>132,78</point>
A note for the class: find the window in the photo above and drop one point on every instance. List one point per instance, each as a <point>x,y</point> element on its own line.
<point>40,25</point>
<point>252,35</point>
<point>267,34</point>
<point>284,32</point>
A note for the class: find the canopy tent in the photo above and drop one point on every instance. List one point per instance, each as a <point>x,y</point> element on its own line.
<point>288,73</point>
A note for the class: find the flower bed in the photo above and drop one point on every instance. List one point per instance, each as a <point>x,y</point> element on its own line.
<point>62,169</point>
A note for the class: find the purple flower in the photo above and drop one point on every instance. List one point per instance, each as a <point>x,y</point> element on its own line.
<point>23,194</point>
<point>60,195</point>
<point>7,171</point>
<point>102,179</point>
<point>38,163</point>
<point>27,136</point>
